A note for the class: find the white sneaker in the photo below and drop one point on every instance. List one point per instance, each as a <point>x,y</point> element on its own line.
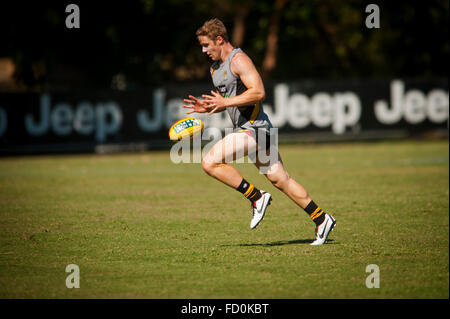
<point>259,208</point>
<point>323,230</point>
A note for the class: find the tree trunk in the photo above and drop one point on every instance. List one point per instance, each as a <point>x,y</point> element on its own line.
<point>270,58</point>
<point>237,38</point>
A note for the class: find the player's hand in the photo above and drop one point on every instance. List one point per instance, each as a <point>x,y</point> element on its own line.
<point>215,103</point>
<point>196,105</point>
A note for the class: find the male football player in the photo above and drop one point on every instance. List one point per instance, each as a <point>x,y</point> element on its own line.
<point>240,91</point>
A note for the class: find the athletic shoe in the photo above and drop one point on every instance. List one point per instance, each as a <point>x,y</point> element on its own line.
<point>324,229</point>
<point>259,208</point>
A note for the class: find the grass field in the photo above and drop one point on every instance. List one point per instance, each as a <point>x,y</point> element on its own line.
<point>139,226</point>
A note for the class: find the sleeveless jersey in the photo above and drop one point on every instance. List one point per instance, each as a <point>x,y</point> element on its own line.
<point>250,117</point>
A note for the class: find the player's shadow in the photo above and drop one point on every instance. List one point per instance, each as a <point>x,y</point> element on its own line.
<point>280,243</point>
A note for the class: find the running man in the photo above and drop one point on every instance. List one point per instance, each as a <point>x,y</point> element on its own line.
<point>240,91</point>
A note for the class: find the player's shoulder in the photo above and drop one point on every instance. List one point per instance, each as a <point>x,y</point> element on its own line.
<point>240,62</point>
<point>240,56</point>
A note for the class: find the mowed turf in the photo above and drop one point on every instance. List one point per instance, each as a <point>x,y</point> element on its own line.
<point>139,226</point>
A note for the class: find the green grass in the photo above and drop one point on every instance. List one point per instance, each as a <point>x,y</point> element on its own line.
<point>139,226</point>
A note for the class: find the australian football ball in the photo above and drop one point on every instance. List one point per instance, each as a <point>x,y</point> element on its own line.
<point>188,127</point>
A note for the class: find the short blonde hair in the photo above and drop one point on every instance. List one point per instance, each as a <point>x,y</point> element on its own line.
<point>212,29</point>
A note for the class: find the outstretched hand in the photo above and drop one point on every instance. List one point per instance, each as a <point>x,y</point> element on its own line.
<point>212,103</point>
<point>215,102</point>
<point>196,105</point>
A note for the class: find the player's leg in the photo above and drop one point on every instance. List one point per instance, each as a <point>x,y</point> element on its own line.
<point>233,147</point>
<point>279,177</point>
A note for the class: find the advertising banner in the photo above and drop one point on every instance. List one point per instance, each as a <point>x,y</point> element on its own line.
<point>81,121</point>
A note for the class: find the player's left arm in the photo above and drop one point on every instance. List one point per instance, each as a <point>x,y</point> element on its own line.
<point>242,66</point>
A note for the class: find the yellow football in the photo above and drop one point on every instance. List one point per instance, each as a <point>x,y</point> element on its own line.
<point>186,127</point>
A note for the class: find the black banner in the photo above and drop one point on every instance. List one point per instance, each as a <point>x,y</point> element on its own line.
<point>84,120</point>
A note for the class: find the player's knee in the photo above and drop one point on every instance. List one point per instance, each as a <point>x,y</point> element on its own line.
<point>208,166</point>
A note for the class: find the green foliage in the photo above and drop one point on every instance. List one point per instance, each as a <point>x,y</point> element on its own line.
<point>153,42</point>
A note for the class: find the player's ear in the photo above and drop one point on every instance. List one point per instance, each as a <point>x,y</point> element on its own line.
<point>219,39</point>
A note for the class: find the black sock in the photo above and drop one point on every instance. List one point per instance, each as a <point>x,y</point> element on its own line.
<point>315,212</point>
<point>249,191</point>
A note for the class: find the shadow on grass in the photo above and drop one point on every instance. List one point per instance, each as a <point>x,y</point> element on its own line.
<point>279,243</point>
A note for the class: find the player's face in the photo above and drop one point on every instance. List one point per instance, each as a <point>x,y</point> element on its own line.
<point>211,48</point>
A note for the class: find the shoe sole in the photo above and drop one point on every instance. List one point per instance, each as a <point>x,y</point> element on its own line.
<point>263,213</point>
